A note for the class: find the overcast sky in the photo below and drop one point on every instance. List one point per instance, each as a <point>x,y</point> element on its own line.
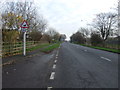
<point>66,16</point>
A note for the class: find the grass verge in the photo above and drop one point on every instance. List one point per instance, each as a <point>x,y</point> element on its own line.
<point>27,49</point>
<point>37,47</point>
<point>51,48</point>
<point>105,49</point>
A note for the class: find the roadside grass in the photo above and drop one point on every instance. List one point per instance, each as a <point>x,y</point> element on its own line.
<point>27,49</point>
<point>51,48</point>
<point>20,52</point>
<point>37,47</point>
<point>102,48</point>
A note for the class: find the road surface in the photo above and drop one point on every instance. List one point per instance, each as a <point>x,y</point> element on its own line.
<point>70,66</point>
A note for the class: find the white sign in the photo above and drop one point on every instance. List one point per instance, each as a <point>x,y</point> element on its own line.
<point>24,24</point>
<point>24,29</point>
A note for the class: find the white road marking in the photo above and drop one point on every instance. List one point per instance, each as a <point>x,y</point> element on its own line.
<point>55,61</point>
<point>6,72</point>
<point>85,50</point>
<point>14,69</point>
<point>49,88</point>
<point>52,75</point>
<point>105,58</point>
<point>57,52</point>
<point>56,57</point>
<point>54,66</point>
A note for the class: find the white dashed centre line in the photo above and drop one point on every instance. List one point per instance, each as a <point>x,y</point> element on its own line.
<point>105,58</point>
<point>49,88</point>
<point>55,61</point>
<point>6,72</point>
<point>52,75</point>
<point>14,69</point>
<point>54,66</point>
<point>56,57</point>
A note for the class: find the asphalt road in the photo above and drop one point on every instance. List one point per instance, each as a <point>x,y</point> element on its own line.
<point>70,66</point>
<point>83,67</point>
<point>31,71</point>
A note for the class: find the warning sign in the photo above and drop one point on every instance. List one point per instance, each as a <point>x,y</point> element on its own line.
<point>24,24</point>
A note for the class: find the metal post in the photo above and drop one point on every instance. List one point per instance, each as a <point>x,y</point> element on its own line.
<point>24,36</point>
<point>24,44</point>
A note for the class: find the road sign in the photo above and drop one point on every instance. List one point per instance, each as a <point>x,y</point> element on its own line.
<point>24,24</point>
<point>24,29</point>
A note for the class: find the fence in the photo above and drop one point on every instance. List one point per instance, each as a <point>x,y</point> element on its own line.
<point>9,49</point>
<point>112,46</point>
<point>107,45</point>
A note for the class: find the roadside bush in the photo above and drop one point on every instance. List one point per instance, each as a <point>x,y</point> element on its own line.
<point>10,36</point>
<point>96,39</point>
<point>78,38</point>
<point>35,36</point>
<point>47,38</point>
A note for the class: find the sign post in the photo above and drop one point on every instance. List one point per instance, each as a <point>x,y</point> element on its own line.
<point>24,44</point>
<point>24,27</point>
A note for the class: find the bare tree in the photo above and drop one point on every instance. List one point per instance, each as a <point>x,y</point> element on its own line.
<point>35,36</point>
<point>95,38</point>
<point>85,31</point>
<point>78,38</point>
<point>118,25</point>
<point>51,32</point>
<point>54,35</point>
<point>16,12</point>
<point>62,37</point>
<point>47,38</point>
<point>104,22</point>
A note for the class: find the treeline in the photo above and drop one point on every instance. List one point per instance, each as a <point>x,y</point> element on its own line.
<point>104,30</point>
<point>14,14</point>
